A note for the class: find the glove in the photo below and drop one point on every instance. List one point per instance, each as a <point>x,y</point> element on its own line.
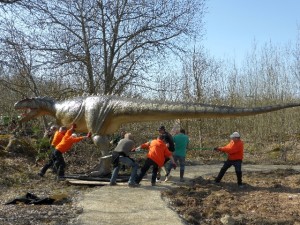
<point>174,166</point>
<point>74,126</point>
<point>136,149</point>
<point>89,134</point>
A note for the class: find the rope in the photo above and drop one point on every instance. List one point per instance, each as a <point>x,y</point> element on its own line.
<point>79,114</point>
<point>201,149</point>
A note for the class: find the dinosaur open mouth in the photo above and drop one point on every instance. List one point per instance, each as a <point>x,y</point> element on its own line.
<point>24,112</point>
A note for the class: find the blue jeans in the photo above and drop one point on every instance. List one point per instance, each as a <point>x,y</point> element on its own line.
<point>129,162</point>
<point>177,158</point>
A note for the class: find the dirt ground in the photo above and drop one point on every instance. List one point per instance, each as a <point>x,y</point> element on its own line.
<point>266,198</point>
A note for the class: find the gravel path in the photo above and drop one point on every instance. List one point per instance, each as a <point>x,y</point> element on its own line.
<point>144,205</point>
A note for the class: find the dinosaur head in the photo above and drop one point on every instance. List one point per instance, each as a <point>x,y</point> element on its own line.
<point>34,107</point>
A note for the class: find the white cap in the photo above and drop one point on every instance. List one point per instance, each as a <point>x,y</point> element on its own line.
<point>53,127</point>
<point>235,135</point>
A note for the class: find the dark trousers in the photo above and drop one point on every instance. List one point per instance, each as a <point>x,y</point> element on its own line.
<point>50,163</point>
<point>59,163</point>
<point>238,170</point>
<point>145,168</point>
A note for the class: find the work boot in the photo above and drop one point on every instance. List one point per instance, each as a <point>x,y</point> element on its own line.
<point>239,177</point>
<point>61,178</point>
<point>40,174</point>
<point>158,176</point>
<point>168,177</point>
<point>220,175</point>
<point>133,185</point>
<point>181,175</point>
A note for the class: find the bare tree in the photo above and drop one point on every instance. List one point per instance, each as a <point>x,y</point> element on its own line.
<point>109,45</point>
<point>20,68</point>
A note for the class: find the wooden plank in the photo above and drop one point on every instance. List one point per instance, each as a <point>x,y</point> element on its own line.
<point>91,182</point>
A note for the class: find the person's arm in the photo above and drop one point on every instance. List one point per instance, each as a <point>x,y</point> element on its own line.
<point>172,159</point>
<point>225,148</point>
<point>231,148</point>
<point>69,132</point>
<point>173,162</point>
<point>77,139</point>
<point>142,146</point>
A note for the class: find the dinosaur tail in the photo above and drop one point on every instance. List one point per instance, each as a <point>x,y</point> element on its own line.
<point>153,111</point>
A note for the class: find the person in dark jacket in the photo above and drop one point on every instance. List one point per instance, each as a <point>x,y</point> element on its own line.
<point>114,142</point>
<point>168,139</point>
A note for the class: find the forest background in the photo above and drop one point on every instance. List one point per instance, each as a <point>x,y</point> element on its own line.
<point>146,49</point>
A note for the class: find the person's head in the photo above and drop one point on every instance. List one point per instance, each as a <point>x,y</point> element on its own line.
<point>122,133</point>
<point>74,135</point>
<point>175,131</point>
<point>128,136</point>
<point>161,137</point>
<point>182,131</point>
<point>63,129</point>
<point>235,136</point>
<point>161,129</point>
<point>53,128</point>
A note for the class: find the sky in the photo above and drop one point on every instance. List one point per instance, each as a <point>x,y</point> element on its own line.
<point>232,26</point>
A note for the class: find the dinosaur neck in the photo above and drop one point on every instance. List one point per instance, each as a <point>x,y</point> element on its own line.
<point>47,108</point>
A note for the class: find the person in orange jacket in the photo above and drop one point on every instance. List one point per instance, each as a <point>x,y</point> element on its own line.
<point>235,153</point>
<point>57,137</point>
<point>158,152</point>
<point>49,133</point>
<point>65,145</point>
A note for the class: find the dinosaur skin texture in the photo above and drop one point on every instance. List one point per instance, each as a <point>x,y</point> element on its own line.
<point>103,115</point>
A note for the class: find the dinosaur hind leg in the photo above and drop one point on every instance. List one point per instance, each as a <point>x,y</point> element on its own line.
<point>104,166</point>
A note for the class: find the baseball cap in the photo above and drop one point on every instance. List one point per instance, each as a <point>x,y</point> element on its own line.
<point>53,127</point>
<point>235,135</point>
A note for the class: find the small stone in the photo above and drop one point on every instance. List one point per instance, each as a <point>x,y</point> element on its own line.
<point>227,220</point>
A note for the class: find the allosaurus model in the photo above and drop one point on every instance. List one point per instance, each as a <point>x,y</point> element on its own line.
<point>103,114</point>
